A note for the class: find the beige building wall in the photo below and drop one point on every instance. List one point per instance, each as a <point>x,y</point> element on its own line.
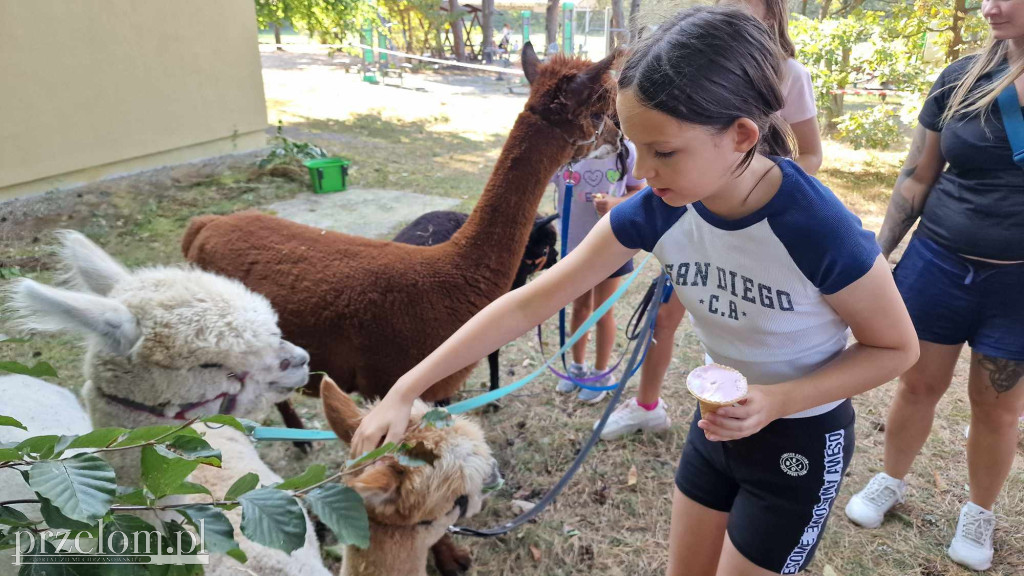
<point>94,88</point>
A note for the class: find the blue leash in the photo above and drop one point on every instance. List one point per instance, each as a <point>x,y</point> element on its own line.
<point>645,337</point>
<point>273,433</point>
<point>565,217</point>
<point>564,222</point>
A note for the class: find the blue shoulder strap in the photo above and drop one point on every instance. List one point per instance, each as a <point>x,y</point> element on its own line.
<point>1013,122</point>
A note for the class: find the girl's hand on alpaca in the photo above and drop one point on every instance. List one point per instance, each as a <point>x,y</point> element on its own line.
<point>756,411</point>
<point>387,422</point>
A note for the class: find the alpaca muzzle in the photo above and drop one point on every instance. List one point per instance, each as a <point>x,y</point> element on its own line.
<point>494,481</point>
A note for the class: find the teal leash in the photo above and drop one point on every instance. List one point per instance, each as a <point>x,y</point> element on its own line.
<point>281,434</point>
<point>494,395</point>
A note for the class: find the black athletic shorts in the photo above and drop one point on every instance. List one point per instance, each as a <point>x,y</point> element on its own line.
<point>778,485</point>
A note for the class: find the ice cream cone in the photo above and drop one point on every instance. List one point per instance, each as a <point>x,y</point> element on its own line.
<point>715,386</point>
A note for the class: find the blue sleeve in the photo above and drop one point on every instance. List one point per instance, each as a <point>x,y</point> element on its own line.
<point>642,219</point>
<point>825,240</point>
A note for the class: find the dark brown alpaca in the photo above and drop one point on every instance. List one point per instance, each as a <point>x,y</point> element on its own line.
<point>368,310</point>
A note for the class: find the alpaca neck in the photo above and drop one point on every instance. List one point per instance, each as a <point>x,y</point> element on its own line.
<point>393,551</point>
<point>105,413</point>
<point>495,235</point>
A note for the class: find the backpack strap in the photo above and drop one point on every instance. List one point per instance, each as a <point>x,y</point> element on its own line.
<point>1013,122</point>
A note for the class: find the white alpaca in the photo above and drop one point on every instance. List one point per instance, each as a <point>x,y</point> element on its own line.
<point>163,345</point>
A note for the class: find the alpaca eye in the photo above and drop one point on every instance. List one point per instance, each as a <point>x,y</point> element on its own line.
<point>205,366</point>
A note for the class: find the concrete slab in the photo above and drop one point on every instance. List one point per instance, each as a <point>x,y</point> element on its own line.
<point>373,213</point>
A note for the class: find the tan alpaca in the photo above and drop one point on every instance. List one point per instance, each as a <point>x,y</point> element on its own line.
<point>164,344</point>
<point>410,508</point>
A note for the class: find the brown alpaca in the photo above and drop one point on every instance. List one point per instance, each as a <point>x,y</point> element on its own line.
<point>368,310</point>
<point>410,508</point>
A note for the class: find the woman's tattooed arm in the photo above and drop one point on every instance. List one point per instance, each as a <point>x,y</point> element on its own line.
<point>923,165</point>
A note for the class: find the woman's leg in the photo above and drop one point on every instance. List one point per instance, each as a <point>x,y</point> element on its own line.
<point>659,355</point>
<point>606,325</point>
<point>913,408</point>
<point>581,308</point>
<point>906,430</point>
<point>997,399</point>
<point>695,539</point>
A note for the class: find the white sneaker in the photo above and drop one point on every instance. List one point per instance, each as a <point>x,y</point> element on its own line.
<point>972,544</point>
<point>577,371</point>
<point>868,507</point>
<point>630,417</point>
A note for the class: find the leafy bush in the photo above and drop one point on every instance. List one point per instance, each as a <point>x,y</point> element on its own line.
<point>865,47</point>
<point>77,492</point>
<point>287,152</point>
<point>874,127</point>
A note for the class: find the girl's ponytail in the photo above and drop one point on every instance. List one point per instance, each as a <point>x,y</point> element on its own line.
<point>777,139</point>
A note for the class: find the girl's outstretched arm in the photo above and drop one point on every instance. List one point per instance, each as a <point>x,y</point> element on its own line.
<point>886,347</point>
<point>500,322</point>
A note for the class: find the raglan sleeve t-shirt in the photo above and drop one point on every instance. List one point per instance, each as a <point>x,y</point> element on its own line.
<point>755,286</point>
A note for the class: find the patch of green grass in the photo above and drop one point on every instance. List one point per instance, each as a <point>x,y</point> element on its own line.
<point>408,155</point>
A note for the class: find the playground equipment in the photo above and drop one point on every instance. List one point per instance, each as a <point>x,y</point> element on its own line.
<point>377,65</point>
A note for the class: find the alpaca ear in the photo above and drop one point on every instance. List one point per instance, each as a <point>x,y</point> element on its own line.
<point>592,79</point>
<point>39,308</point>
<point>341,411</point>
<point>378,485</point>
<point>531,63</point>
<point>538,224</point>
<point>87,266</point>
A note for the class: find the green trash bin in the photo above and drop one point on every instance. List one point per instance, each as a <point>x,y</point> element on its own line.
<point>328,174</point>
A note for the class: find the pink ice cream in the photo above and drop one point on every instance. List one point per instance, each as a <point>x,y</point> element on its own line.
<point>717,383</point>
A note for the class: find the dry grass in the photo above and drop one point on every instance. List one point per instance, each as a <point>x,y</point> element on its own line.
<point>600,525</point>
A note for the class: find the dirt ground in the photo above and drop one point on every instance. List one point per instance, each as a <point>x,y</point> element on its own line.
<point>440,135</point>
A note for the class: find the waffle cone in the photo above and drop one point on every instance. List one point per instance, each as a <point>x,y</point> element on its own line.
<point>711,407</point>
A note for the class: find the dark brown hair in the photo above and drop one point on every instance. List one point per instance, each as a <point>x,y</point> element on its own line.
<point>712,66</point>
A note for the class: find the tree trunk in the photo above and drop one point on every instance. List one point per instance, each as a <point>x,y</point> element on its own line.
<point>825,5</point>
<point>619,24</point>
<point>803,7</point>
<point>634,20</point>
<point>410,34</point>
<point>956,30</point>
<point>836,101</point>
<point>458,44</point>
<point>487,6</point>
<point>277,35</point>
<point>551,30</point>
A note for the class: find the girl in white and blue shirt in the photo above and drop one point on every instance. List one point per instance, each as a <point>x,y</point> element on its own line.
<point>772,266</point>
